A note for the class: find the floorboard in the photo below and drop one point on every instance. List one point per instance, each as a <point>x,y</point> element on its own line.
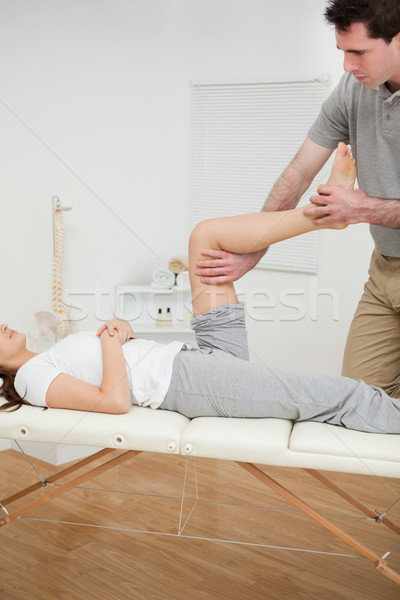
<point>43,560</point>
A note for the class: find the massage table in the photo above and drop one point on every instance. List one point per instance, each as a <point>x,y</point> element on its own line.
<point>248,442</point>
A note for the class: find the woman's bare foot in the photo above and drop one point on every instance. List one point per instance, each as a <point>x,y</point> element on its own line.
<point>343,172</point>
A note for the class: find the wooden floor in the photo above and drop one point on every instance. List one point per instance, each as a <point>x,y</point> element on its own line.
<point>54,561</point>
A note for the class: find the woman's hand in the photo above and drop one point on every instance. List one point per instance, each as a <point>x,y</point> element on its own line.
<point>123,329</point>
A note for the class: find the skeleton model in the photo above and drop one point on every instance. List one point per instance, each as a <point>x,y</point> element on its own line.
<point>56,324</point>
<point>63,323</point>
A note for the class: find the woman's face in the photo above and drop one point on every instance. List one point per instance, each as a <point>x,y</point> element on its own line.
<point>11,344</point>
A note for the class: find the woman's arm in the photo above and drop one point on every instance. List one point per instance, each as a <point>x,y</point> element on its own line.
<point>112,396</point>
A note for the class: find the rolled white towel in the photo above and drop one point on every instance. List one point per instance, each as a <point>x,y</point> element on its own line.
<point>177,264</point>
<point>162,279</point>
<point>183,281</point>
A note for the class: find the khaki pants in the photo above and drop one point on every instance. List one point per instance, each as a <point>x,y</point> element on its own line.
<point>372,350</point>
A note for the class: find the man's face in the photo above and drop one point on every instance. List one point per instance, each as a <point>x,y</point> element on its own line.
<point>372,61</point>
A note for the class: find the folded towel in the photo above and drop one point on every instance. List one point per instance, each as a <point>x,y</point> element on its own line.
<point>178,264</point>
<point>162,279</point>
<point>183,281</point>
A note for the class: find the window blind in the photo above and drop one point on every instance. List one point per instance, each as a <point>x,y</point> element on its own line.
<point>242,138</point>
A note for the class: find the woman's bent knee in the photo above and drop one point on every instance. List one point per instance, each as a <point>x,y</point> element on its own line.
<point>204,236</point>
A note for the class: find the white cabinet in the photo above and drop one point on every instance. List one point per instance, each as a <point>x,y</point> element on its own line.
<point>139,304</point>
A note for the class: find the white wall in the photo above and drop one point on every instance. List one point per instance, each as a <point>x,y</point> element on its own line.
<point>94,108</point>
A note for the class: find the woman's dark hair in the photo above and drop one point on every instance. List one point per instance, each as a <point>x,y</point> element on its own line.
<point>380,17</point>
<point>7,390</point>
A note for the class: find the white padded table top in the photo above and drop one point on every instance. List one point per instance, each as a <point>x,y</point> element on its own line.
<point>139,429</point>
<point>306,445</point>
<point>264,441</point>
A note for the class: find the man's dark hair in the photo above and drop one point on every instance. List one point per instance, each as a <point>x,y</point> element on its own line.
<point>380,17</point>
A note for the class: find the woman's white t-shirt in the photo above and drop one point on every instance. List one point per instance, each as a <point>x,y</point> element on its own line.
<point>148,365</point>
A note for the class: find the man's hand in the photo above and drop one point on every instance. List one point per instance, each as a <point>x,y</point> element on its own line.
<point>225,267</point>
<point>337,205</point>
<point>123,329</point>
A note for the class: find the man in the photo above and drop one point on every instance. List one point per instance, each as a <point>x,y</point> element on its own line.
<point>363,110</point>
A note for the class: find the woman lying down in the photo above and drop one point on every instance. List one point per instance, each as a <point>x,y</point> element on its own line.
<point>108,371</point>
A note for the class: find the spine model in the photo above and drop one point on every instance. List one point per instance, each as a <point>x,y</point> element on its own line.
<point>62,314</point>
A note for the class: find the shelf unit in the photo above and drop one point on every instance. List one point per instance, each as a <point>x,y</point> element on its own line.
<point>139,305</point>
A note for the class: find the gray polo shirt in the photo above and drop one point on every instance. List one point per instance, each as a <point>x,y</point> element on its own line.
<point>368,120</point>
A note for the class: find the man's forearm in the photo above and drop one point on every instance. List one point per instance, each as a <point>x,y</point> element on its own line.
<point>288,190</point>
<point>297,177</point>
<point>382,212</point>
<point>285,195</point>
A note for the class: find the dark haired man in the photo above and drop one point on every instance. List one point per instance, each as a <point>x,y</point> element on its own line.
<point>364,111</point>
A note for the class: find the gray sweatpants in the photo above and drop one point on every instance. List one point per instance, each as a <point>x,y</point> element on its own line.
<point>217,380</point>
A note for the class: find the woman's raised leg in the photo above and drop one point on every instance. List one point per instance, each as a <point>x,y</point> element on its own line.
<point>251,232</point>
